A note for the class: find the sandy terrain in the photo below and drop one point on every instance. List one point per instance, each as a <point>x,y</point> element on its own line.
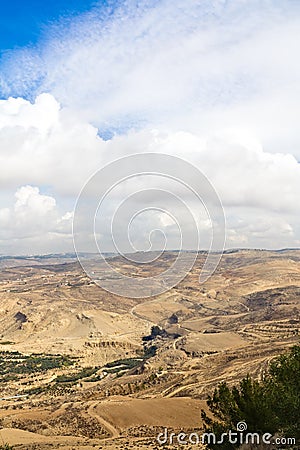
<point>92,374</point>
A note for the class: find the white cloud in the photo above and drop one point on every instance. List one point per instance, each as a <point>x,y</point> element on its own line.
<point>195,66</point>
<point>16,112</point>
<point>34,217</point>
<point>44,145</point>
<point>61,151</point>
<point>253,228</point>
<point>214,82</point>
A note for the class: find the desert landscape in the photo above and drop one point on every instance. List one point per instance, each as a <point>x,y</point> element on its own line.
<point>82,368</point>
<point>149,225</point>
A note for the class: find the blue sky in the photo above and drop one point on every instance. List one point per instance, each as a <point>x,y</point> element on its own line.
<point>23,21</point>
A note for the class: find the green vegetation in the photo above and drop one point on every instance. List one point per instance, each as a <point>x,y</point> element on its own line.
<point>38,390</point>
<point>14,364</point>
<point>271,405</point>
<point>94,378</point>
<point>6,447</point>
<point>128,363</point>
<point>65,383</point>
<point>122,365</point>
<point>149,352</point>
<point>73,378</point>
<point>89,374</point>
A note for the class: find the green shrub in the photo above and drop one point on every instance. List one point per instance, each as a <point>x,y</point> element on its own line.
<point>271,405</point>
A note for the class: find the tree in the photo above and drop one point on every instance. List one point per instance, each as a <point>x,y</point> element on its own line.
<point>282,387</point>
<point>271,405</point>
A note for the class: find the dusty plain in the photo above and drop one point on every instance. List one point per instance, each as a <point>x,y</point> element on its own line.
<point>81,369</point>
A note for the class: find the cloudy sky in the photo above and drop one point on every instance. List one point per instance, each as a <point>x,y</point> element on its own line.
<point>215,82</point>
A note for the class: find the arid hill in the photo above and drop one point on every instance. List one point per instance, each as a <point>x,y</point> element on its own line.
<point>82,368</point>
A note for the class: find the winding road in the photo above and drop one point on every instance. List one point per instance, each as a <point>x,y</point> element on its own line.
<point>107,425</point>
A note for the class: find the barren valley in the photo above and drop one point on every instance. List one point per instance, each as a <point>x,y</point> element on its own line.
<point>82,368</point>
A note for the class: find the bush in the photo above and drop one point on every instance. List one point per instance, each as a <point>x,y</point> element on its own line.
<point>271,405</point>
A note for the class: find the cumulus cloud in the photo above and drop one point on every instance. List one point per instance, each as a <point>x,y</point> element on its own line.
<point>259,189</point>
<point>42,144</point>
<point>33,218</point>
<point>197,66</point>
<point>214,82</point>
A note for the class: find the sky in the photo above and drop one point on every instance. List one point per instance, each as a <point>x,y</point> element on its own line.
<point>214,82</point>
<point>24,23</point>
